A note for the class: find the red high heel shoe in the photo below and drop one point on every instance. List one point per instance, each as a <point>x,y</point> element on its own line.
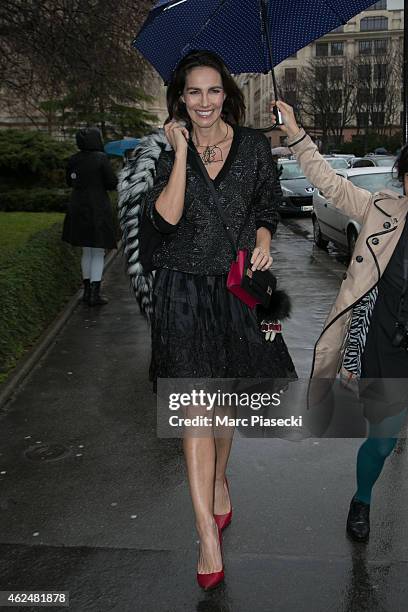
<point>223,520</point>
<point>210,581</point>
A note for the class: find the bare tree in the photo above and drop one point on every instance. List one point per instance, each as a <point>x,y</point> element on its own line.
<point>56,53</point>
<point>379,91</point>
<point>326,96</point>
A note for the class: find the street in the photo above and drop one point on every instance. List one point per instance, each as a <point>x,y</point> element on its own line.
<point>93,503</point>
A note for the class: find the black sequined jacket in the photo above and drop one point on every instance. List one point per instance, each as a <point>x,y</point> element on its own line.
<point>248,187</point>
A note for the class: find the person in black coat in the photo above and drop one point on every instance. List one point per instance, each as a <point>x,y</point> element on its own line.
<point>89,220</point>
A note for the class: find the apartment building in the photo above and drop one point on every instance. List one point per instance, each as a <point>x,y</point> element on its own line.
<point>369,37</point>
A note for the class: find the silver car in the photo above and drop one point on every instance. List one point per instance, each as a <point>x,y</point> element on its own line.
<point>372,160</point>
<point>296,188</point>
<point>331,224</point>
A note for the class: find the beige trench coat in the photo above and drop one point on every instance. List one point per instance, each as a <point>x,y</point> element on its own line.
<point>382,216</point>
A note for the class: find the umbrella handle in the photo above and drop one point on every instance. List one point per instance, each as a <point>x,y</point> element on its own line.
<point>278,118</point>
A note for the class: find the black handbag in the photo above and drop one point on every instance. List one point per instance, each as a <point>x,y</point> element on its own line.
<point>259,284</point>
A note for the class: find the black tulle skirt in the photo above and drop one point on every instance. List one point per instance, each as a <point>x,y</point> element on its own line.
<point>201,330</point>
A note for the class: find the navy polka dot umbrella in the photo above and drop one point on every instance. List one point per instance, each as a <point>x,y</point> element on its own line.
<point>249,35</point>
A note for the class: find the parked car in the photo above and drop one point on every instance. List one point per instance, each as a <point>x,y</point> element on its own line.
<point>296,188</point>
<point>332,225</point>
<point>347,156</point>
<point>336,161</point>
<point>372,160</point>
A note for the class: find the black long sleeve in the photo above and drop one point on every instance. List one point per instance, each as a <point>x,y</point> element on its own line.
<point>268,189</point>
<point>163,171</point>
<point>248,188</point>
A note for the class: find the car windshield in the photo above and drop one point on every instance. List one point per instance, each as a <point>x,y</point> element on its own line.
<point>376,182</point>
<point>363,163</point>
<point>337,163</point>
<point>291,171</point>
<point>385,161</point>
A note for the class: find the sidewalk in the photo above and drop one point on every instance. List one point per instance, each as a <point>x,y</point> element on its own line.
<point>105,512</point>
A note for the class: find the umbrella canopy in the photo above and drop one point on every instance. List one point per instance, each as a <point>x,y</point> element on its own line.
<point>236,30</point>
<point>118,147</point>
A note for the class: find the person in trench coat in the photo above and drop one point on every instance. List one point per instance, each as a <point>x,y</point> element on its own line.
<point>358,340</point>
<point>89,220</point>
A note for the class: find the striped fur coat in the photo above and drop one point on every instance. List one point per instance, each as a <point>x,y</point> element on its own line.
<point>357,335</point>
<point>135,179</point>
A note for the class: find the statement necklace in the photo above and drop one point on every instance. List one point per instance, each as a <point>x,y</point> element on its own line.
<point>212,153</point>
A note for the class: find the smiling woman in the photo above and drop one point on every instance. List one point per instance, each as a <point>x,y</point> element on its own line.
<point>199,328</point>
<point>222,96</point>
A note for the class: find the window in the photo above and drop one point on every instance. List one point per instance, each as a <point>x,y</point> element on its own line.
<point>291,97</point>
<point>362,119</point>
<point>322,72</point>
<point>379,95</point>
<point>322,49</point>
<point>377,119</point>
<point>380,46</point>
<point>290,75</point>
<point>335,119</point>
<point>336,73</point>
<point>318,120</point>
<point>363,96</point>
<point>378,6</point>
<point>380,72</point>
<point>371,24</point>
<point>336,98</point>
<point>364,47</point>
<point>364,72</point>
<point>337,48</point>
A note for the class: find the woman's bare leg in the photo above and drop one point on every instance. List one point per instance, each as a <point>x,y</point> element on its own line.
<point>223,441</point>
<point>200,454</point>
<point>222,503</point>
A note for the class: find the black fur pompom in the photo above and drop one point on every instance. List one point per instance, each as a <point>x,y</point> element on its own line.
<point>279,308</point>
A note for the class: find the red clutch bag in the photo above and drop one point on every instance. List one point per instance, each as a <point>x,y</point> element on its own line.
<point>252,287</point>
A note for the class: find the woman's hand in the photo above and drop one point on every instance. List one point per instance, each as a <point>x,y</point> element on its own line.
<point>261,259</point>
<point>290,126</point>
<point>177,135</point>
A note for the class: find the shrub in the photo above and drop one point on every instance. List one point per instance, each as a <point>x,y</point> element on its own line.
<point>34,200</point>
<point>35,282</point>
<point>29,158</point>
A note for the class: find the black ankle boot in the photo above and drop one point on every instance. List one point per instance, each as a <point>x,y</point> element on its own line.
<point>95,299</point>
<point>358,520</point>
<point>87,290</point>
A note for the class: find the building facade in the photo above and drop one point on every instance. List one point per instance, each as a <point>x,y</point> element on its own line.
<point>369,42</point>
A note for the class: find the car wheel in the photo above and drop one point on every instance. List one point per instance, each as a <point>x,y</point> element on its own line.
<point>352,236</point>
<point>317,235</point>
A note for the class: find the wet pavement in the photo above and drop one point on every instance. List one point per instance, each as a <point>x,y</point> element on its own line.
<point>91,502</point>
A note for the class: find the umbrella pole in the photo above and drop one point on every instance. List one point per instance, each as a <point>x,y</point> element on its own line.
<point>405,75</point>
<point>264,14</point>
<point>264,9</point>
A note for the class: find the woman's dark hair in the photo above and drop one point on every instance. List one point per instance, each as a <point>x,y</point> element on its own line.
<point>233,110</point>
<point>401,163</point>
